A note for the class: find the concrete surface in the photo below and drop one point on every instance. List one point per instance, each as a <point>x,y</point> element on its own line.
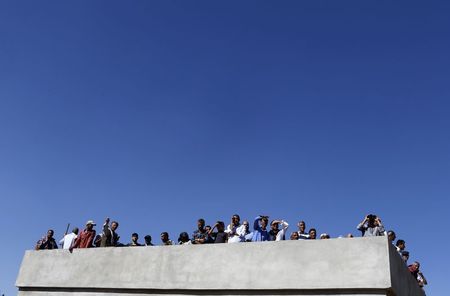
<point>357,266</point>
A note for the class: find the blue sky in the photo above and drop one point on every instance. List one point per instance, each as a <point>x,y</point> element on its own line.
<point>157,114</point>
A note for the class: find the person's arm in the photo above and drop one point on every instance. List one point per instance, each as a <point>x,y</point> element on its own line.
<point>361,226</point>
<point>380,227</point>
<point>424,280</point>
<point>91,238</point>
<point>282,232</point>
<point>61,241</point>
<point>211,230</point>
<point>256,224</point>
<point>230,228</point>
<point>39,244</point>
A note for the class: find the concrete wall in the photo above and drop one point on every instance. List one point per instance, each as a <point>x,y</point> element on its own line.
<point>358,266</point>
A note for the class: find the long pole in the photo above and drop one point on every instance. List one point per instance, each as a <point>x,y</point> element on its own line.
<point>67,228</point>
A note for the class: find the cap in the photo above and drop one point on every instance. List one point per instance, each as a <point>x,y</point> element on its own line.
<point>90,222</point>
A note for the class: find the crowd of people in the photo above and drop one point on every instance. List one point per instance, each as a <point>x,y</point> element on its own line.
<point>235,232</point>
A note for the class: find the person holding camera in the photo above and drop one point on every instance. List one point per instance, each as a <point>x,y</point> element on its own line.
<point>371,226</point>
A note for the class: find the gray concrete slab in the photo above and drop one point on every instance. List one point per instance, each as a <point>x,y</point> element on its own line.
<point>357,264</point>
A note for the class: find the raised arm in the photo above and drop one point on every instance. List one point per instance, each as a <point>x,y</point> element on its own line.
<point>256,223</point>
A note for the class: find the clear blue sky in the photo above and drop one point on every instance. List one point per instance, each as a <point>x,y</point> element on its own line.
<point>157,114</point>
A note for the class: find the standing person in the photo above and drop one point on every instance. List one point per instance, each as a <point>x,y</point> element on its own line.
<point>68,239</point>
<point>312,233</point>
<point>302,230</point>
<point>47,242</point>
<point>371,226</point>
<point>405,256</point>
<point>85,238</point>
<point>200,235</point>
<point>246,235</point>
<point>148,240</point>
<point>134,240</point>
<point>276,234</point>
<point>260,232</point>
<point>418,275</point>
<point>391,236</point>
<point>165,239</point>
<point>109,236</point>
<point>400,245</point>
<point>220,236</point>
<point>233,229</point>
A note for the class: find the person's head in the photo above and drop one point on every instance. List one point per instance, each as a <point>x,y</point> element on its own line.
<point>301,226</point>
<point>183,238</point>
<point>416,264</point>
<point>90,225</point>
<point>324,236</point>
<point>208,227</point>
<point>134,237</point>
<point>405,256</point>
<point>164,236</point>
<point>148,239</point>
<point>312,233</point>
<point>75,230</point>
<point>50,233</point>
<point>236,219</point>
<point>349,235</point>
<point>400,244</point>
<point>264,222</point>
<point>114,225</point>
<point>294,235</point>
<point>371,220</point>
<point>201,223</point>
<point>274,225</point>
<point>220,226</point>
<point>246,225</point>
<point>391,235</point>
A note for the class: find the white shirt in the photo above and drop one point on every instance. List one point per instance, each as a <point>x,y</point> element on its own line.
<point>239,235</point>
<point>282,232</point>
<point>68,240</point>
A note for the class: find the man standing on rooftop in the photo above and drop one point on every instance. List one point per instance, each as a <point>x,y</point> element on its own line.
<point>68,239</point>
<point>109,236</point>
<point>86,237</point>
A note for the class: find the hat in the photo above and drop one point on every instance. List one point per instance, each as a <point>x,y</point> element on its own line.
<point>90,222</point>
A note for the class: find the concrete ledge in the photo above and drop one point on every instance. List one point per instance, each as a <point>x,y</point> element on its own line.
<point>359,266</point>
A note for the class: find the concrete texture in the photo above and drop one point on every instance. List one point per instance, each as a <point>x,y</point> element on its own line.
<point>355,266</point>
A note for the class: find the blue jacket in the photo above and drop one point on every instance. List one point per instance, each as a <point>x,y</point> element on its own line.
<point>259,234</point>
